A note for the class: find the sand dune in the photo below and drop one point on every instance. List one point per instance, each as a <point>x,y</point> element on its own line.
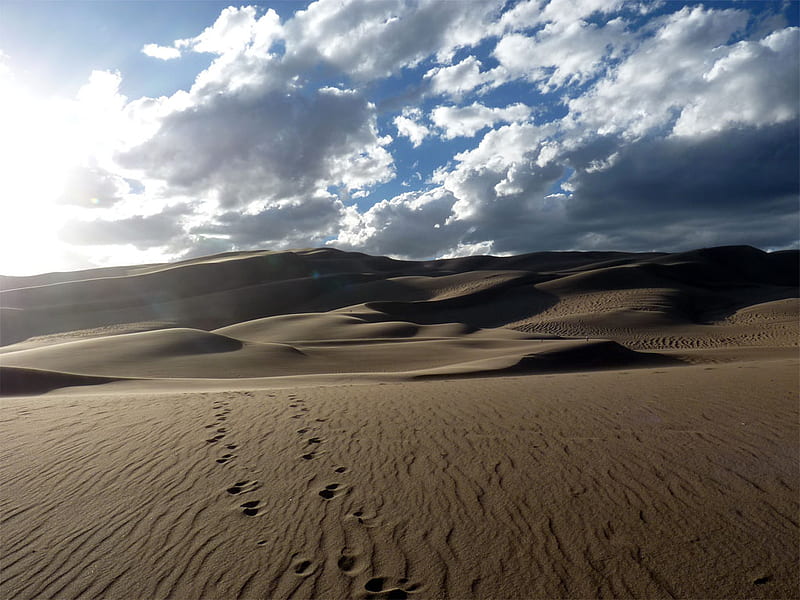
<point>324,424</point>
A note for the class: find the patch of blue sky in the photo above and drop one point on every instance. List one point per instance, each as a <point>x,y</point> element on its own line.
<point>414,166</point>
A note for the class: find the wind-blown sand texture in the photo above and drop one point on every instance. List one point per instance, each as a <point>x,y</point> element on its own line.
<point>322,424</point>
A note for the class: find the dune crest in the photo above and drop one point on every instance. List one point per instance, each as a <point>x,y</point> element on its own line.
<point>268,314</point>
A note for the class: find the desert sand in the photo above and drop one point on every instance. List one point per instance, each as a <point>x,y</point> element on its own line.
<point>323,424</point>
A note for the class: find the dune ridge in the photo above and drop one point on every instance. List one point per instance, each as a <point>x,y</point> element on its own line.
<point>315,311</point>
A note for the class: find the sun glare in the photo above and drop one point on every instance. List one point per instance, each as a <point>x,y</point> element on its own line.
<point>43,141</point>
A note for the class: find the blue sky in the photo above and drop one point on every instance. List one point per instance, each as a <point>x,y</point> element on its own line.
<point>153,131</point>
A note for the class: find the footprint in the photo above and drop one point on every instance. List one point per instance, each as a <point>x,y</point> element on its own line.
<point>261,543</point>
<point>225,458</point>
<point>340,470</point>
<point>367,520</point>
<point>215,439</point>
<point>222,430</point>
<point>242,487</point>
<point>350,564</point>
<point>309,456</point>
<point>314,440</point>
<point>320,420</point>
<point>388,589</point>
<point>250,508</point>
<point>212,425</point>
<point>303,430</point>
<point>332,490</point>
<point>231,446</point>
<point>303,567</point>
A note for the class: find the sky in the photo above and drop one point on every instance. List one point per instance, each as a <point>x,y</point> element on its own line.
<point>139,131</point>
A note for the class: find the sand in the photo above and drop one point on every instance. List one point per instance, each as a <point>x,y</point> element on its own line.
<point>320,424</point>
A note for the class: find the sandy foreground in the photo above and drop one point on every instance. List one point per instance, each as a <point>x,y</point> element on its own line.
<point>568,425</point>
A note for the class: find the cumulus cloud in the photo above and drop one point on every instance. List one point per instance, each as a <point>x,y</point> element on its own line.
<point>237,30</point>
<point>682,134</point>
<point>562,53</point>
<point>458,79</point>
<point>468,120</point>
<point>662,131</point>
<point>413,225</point>
<point>663,75</point>
<point>297,223</point>
<point>753,83</point>
<point>369,40</point>
<point>266,143</point>
<point>161,52</point>
<point>408,125</point>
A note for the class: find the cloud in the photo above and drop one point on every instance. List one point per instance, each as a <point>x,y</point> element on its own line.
<point>408,125</point>
<point>298,223</point>
<point>161,52</point>
<point>238,30</point>
<point>93,187</point>
<point>468,120</point>
<point>661,131</point>
<point>345,35</point>
<point>457,79</point>
<point>562,53</point>
<point>753,83</point>
<point>412,225</point>
<point>140,231</point>
<point>680,142</point>
<point>731,173</point>
<point>665,73</point>
<point>266,143</point>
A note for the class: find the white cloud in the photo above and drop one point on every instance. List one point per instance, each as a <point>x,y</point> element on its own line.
<point>161,52</point>
<point>457,79</point>
<point>408,125</point>
<point>469,249</point>
<point>234,30</point>
<point>369,40</point>
<point>414,224</point>
<point>571,11</point>
<point>664,74</point>
<point>752,83</point>
<point>561,54</point>
<point>468,120</point>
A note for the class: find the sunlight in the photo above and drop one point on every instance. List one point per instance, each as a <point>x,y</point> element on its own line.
<point>44,141</point>
<point>35,159</point>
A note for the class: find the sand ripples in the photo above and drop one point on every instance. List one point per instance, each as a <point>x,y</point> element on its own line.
<point>483,488</point>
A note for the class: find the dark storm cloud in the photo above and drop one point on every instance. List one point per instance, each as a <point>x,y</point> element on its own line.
<point>750,170</point>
